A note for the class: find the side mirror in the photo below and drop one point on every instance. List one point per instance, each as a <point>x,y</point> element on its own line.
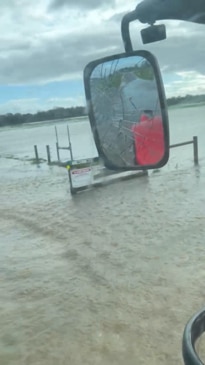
<point>127,111</point>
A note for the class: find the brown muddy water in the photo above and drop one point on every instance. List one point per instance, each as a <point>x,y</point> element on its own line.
<point>109,276</point>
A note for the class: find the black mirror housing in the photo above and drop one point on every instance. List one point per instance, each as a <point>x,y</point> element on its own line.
<point>128,111</point>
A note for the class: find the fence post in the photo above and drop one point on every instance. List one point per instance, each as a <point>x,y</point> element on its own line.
<point>57,150</point>
<point>36,154</point>
<point>69,142</point>
<point>195,145</point>
<point>48,154</point>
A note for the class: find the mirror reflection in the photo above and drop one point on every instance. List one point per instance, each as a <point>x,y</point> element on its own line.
<point>127,112</point>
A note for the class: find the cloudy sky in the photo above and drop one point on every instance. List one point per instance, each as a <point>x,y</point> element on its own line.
<point>45,45</point>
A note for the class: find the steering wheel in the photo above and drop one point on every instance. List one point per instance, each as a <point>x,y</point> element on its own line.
<point>193,330</point>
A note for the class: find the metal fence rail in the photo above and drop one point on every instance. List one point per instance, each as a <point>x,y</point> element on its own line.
<point>194,141</point>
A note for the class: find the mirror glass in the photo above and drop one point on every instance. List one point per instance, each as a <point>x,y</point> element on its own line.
<point>126,112</point>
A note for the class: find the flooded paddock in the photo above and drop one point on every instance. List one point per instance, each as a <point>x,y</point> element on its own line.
<point>109,276</point>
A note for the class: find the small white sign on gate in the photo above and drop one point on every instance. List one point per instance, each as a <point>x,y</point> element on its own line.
<point>81,177</point>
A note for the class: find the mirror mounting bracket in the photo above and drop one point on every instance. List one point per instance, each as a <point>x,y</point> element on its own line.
<point>125,31</point>
<point>151,34</point>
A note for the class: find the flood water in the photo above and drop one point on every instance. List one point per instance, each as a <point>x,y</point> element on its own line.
<point>109,276</point>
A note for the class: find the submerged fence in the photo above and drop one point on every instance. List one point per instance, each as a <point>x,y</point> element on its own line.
<point>194,141</point>
<point>58,148</point>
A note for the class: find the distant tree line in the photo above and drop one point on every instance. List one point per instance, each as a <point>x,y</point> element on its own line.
<point>188,99</point>
<point>57,113</point>
<point>61,113</point>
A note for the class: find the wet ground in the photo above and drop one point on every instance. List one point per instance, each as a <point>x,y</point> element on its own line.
<point>109,276</point>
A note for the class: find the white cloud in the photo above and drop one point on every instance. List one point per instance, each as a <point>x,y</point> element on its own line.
<point>34,105</point>
<point>191,82</point>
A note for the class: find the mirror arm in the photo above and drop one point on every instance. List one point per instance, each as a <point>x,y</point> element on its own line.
<point>125,32</point>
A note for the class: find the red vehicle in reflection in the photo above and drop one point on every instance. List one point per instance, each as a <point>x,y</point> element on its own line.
<point>148,138</point>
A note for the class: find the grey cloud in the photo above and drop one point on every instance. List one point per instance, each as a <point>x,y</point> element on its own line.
<point>13,5</point>
<point>181,53</point>
<point>7,4</point>
<point>14,46</point>
<point>57,58</point>
<point>85,4</point>
<point>117,17</point>
<point>64,56</point>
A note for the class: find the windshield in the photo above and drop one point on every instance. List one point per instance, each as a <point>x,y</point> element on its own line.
<point>109,274</point>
